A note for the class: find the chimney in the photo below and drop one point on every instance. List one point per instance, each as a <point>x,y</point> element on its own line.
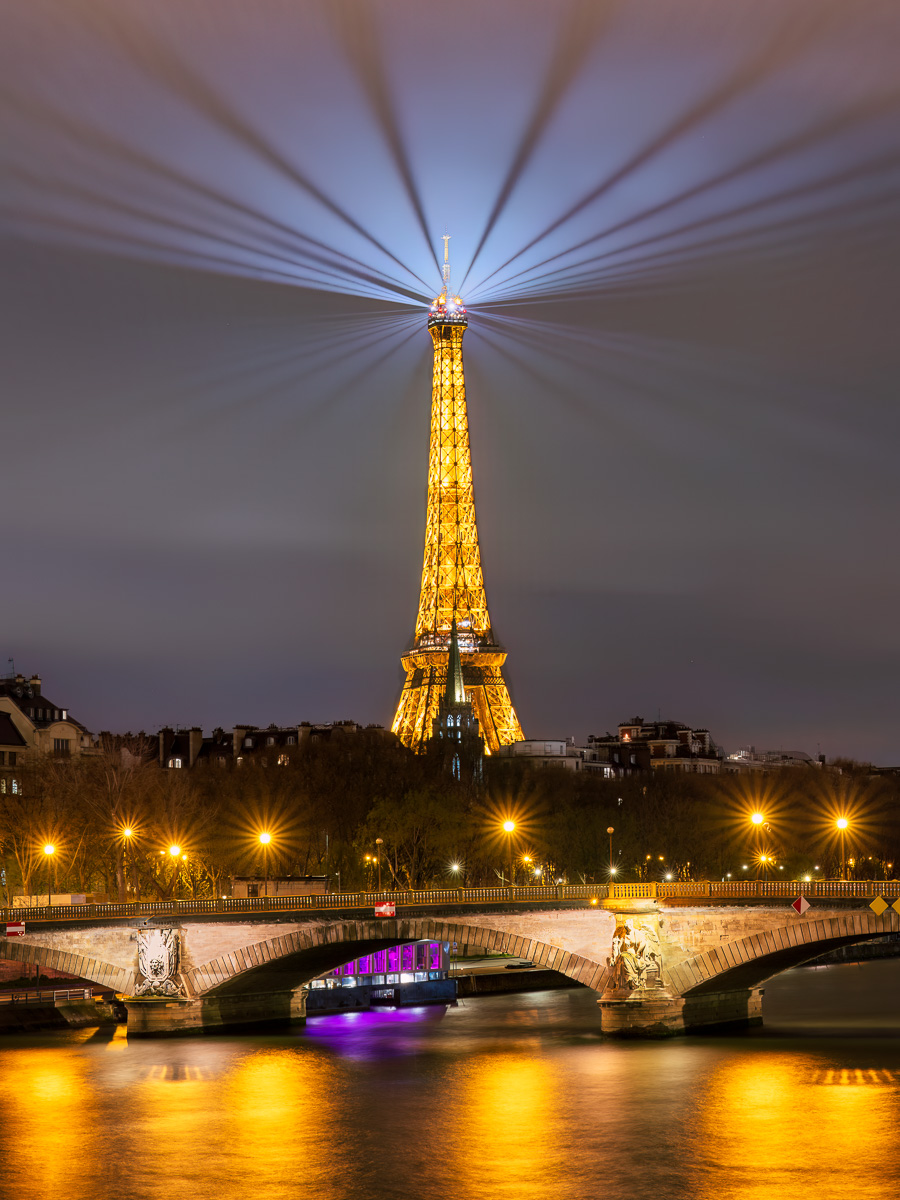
<point>195,741</point>
<point>35,684</point>
<point>237,739</point>
<point>166,741</point>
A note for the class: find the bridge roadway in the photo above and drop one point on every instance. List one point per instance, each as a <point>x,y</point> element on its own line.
<point>663,958</point>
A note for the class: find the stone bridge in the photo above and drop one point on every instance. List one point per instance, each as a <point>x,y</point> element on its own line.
<point>660,964</point>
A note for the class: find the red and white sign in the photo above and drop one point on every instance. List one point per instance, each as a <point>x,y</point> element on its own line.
<point>800,905</point>
<point>387,909</point>
<point>15,929</point>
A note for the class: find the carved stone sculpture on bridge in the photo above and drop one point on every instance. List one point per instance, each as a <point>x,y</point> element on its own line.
<point>635,964</point>
<point>158,963</point>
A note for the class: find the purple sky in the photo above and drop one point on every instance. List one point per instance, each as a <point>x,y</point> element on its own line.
<point>677,227</point>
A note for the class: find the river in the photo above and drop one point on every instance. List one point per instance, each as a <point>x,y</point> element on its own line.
<point>499,1097</point>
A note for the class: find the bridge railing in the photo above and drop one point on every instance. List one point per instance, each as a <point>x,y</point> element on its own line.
<point>780,889</point>
<point>327,903</point>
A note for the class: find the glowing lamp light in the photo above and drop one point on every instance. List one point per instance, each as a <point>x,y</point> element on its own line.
<point>669,875</point>
<point>127,831</point>
<point>593,899</point>
<point>174,850</point>
<point>49,848</point>
<point>265,838</point>
<point>757,818</point>
<point>613,870</point>
<point>842,822</point>
<point>508,826</point>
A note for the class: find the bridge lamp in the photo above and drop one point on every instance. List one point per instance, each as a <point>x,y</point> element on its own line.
<point>49,851</point>
<point>175,851</point>
<point>264,840</point>
<point>842,824</point>
<point>613,870</point>
<point>379,842</point>
<point>757,818</point>
<point>509,828</point>
<point>669,876</point>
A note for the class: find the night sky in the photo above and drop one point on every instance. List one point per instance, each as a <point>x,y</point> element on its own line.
<point>676,227</point>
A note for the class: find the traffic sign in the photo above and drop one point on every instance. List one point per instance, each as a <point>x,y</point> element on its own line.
<point>15,929</point>
<point>878,905</point>
<point>800,905</point>
<point>387,909</point>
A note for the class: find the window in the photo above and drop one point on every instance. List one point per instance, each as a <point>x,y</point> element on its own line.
<point>15,788</point>
<point>2,787</point>
<point>270,741</point>
<point>61,747</point>
<point>291,741</point>
<point>253,891</point>
<point>248,743</point>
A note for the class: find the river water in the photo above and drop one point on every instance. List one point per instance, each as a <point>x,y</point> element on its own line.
<point>504,1096</point>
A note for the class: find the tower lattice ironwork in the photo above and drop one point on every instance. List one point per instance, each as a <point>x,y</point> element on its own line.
<point>452,581</point>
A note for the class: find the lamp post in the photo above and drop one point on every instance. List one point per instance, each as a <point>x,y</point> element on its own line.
<point>612,870</point>
<point>49,851</point>
<point>509,828</point>
<point>127,835</point>
<point>264,839</point>
<point>379,842</point>
<point>175,854</point>
<point>842,824</point>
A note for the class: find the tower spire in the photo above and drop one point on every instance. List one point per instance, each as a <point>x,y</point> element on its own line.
<point>445,274</point>
<point>452,601</point>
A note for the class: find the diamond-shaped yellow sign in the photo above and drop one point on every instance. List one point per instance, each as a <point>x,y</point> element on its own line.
<point>896,906</point>
<point>878,905</point>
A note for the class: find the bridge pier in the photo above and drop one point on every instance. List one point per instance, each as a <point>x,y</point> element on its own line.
<point>671,1016</point>
<point>213,1013</point>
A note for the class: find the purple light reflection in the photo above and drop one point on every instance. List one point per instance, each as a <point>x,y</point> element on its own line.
<point>381,1033</point>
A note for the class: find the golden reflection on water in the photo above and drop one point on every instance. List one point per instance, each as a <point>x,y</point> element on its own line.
<point>511,1096</point>
<point>769,1124</point>
<point>502,1126</point>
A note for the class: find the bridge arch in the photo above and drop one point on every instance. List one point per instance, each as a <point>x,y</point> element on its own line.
<point>94,970</point>
<point>296,957</point>
<point>749,961</point>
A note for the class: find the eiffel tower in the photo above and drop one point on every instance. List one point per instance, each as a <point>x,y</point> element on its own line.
<point>452,581</point>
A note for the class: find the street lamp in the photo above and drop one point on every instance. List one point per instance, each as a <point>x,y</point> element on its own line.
<point>175,854</point>
<point>379,842</point>
<point>127,835</point>
<point>842,824</point>
<point>509,828</point>
<point>264,839</point>
<point>49,850</point>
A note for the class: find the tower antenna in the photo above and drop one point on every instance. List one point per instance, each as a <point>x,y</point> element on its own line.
<point>445,274</point>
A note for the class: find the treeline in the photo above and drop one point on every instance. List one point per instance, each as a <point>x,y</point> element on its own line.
<point>120,825</point>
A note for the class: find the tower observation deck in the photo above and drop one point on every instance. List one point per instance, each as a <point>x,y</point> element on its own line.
<point>452,581</point>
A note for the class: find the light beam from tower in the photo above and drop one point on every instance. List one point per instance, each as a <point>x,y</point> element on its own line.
<point>452,581</point>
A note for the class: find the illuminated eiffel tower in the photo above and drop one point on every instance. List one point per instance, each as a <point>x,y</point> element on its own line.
<point>452,582</point>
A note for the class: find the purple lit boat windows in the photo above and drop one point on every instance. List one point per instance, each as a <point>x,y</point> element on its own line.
<point>379,959</point>
<point>421,956</point>
<point>409,957</point>
<point>364,965</point>
<point>393,956</point>
<point>434,956</point>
